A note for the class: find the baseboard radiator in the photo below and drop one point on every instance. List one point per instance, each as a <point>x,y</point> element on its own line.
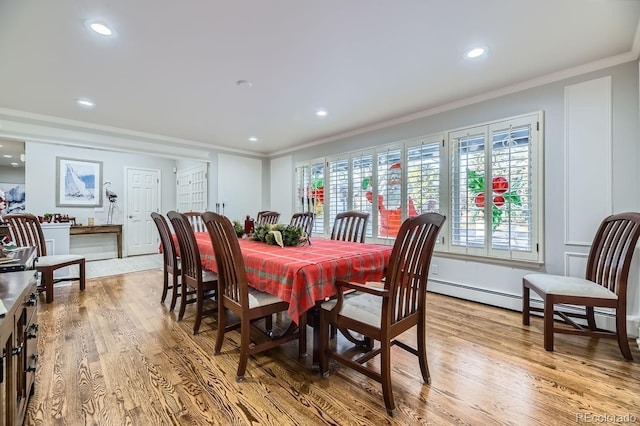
<point>605,320</point>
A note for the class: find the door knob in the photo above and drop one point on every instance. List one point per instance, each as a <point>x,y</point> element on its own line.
<point>130,216</point>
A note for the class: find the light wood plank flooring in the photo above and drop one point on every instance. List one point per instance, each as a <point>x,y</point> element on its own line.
<point>114,355</point>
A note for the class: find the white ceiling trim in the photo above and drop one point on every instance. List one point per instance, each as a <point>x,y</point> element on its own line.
<point>50,129</point>
<point>529,84</point>
<point>57,123</point>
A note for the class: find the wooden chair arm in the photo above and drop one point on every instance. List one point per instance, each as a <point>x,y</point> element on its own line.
<point>376,291</point>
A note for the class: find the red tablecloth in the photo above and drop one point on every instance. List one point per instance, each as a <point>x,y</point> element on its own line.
<point>306,274</point>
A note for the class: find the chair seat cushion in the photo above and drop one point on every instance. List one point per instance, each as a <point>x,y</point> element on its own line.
<point>209,276</point>
<point>259,298</point>
<point>569,286</point>
<point>56,259</point>
<point>362,307</point>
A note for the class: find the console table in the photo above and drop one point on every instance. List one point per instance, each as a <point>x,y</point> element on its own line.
<point>99,229</point>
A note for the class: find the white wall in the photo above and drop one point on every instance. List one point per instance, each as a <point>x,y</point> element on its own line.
<point>40,183</point>
<point>239,186</point>
<point>40,179</point>
<point>282,188</point>
<point>502,285</point>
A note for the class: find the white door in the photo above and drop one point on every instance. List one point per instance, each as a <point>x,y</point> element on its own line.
<point>192,189</point>
<point>143,189</point>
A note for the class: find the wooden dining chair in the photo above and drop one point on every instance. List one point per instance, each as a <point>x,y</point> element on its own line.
<point>303,220</point>
<point>604,285</point>
<point>195,220</point>
<point>26,231</point>
<point>244,301</point>
<point>198,285</point>
<point>170,259</point>
<point>384,312</point>
<point>267,217</point>
<point>350,226</point>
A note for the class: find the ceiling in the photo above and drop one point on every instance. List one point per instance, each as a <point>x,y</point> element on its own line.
<point>11,153</point>
<point>172,69</point>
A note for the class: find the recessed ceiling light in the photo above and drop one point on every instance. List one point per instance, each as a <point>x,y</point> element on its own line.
<point>7,156</point>
<point>321,113</point>
<point>85,103</point>
<point>244,83</point>
<point>22,157</point>
<point>476,52</point>
<point>99,27</point>
<point>253,139</point>
<point>14,164</point>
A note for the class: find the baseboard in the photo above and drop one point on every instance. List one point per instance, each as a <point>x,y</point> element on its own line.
<point>514,302</point>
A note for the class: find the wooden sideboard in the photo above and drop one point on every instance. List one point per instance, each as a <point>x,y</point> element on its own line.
<point>19,344</point>
<point>100,229</point>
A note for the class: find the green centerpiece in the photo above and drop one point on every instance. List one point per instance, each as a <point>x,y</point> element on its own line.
<point>282,235</point>
<point>239,228</point>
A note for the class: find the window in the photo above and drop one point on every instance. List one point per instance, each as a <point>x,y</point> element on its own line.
<point>493,171</point>
<point>310,192</point>
<point>486,179</point>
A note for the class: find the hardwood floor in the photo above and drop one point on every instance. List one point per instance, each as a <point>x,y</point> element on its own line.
<point>114,355</point>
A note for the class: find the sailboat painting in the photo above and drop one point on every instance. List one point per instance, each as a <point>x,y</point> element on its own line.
<point>78,183</point>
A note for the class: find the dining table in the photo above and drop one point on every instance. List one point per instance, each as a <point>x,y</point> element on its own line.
<point>304,275</point>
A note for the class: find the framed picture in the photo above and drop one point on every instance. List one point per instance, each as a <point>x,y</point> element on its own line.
<point>12,197</point>
<point>78,183</point>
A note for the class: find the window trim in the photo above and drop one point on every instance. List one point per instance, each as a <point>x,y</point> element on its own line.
<point>445,248</point>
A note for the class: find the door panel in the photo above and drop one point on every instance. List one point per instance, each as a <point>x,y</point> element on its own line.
<point>143,189</point>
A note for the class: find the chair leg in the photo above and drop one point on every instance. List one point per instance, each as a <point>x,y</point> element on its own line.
<point>165,285</point>
<point>199,309</point>
<point>525,303</point>
<point>268,325</point>
<point>83,275</point>
<point>324,343</point>
<point>183,301</point>
<point>176,293</point>
<point>422,352</point>
<point>222,325</point>
<point>333,331</point>
<point>621,332</point>
<point>245,341</point>
<point>302,337</point>
<point>591,319</point>
<point>548,323</point>
<point>385,376</point>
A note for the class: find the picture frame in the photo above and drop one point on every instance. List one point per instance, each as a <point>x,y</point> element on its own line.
<point>12,197</point>
<point>78,183</point>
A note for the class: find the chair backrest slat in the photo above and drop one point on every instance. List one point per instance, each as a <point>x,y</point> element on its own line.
<point>350,226</point>
<point>304,221</point>
<point>26,231</point>
<point>195,220</point>
<point>168,246</point>
<point>611,252</point>
<point>189,252</point>
<point>232,275</point>
<point>267,217</point>
<point>408,269</point>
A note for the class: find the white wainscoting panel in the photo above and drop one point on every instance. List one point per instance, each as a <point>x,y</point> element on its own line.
<point>575,264</point>
<point>588,170</point>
